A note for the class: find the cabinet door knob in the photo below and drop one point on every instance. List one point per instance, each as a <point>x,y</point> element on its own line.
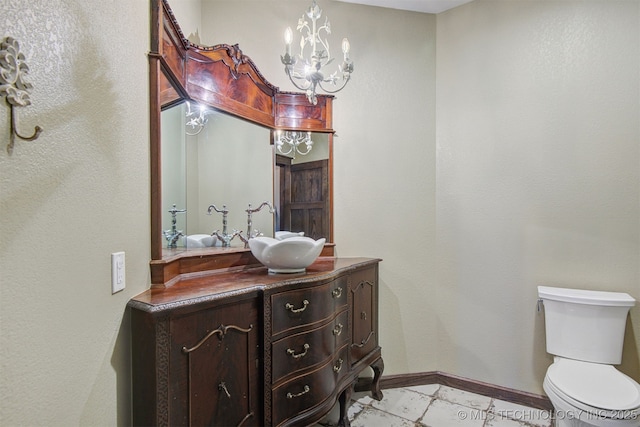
<point>290,306</point>
<point>305,390</point>
<point>291,352</point>
<point>338,366</point>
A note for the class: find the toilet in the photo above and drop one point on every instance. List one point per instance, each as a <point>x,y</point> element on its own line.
<point>585,333</point>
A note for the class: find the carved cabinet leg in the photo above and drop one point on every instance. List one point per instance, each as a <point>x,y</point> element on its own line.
<point>345,400</point>
<point>378,368</point>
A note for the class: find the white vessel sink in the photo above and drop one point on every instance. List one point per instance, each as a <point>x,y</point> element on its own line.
<point>200,241</point>
<point>281,235</point>
<point>291,255</point>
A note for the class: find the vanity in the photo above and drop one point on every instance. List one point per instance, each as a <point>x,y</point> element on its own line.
<point>217,339</point>
<point>249,348</point>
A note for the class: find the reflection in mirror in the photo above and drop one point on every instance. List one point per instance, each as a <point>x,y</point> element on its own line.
<point>301,188</point>
<point>174,197</point>
<point>227,164</point>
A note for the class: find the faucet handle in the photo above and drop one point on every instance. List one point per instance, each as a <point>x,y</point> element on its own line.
<point>175,210</point>
<point>172,237</point>
<point>244,240</point>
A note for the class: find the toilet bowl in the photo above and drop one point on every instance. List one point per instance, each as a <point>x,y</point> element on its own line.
<point>585,333</point>
<point>591,394</point>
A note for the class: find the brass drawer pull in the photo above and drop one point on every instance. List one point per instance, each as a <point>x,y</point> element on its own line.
<point>337,292</point>
<point>304,391</point>
<point>338,366</point>
<point>293,354</point>
<point>364,341</point>
<point>338,329</point>
<point>223,387</point>
<point>290,306</point>
<point>221,332</point>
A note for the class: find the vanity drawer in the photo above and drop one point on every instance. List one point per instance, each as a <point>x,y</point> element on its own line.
<point>300,351</point>
<point>301,307</point>
<point>305,392</point>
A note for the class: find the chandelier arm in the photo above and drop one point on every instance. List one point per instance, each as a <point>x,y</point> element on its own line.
<point>298,76</point>
<point>287,152</point>
<point>324,42</point>
<point>335,90</point>
<point>305,152</point>
<point>296,83</point>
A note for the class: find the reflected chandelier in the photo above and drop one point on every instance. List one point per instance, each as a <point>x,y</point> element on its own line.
<point>195,121</point>
<point>292,142</point>
<point>306,72</point>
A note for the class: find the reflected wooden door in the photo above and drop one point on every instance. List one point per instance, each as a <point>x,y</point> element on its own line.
<point>304,193</point>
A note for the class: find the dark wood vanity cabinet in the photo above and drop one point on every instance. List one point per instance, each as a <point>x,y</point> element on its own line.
<point>198,366</point>
<point>250,348</point>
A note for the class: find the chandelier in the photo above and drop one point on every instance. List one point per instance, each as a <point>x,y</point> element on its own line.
<point>292,142</point>
<point>307,72</point>
<point>195,121</point>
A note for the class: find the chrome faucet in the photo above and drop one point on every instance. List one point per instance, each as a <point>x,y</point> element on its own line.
<point>224,237</point>
<point>174,234</point>
<point>250,212</point>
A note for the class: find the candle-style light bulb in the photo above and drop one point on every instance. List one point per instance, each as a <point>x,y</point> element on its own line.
<point>288,38</point>
<point>345,47</point>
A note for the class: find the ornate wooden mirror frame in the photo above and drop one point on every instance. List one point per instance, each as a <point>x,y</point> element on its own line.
<point>221,77</point>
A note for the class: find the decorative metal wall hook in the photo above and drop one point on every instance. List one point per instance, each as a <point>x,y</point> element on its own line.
<point>13,88</point>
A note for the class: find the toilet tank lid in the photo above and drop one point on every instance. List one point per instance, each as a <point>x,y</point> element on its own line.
<point>580,296</point>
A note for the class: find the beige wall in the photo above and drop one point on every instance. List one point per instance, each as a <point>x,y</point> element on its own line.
<point>68,200</point>
<point>532,177</point>
<point>538,174</point>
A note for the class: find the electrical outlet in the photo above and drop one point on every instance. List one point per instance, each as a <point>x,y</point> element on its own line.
<point>117,272</point>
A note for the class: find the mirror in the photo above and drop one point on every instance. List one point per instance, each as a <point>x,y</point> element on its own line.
<point>233,160</point>
<point>228,162</point>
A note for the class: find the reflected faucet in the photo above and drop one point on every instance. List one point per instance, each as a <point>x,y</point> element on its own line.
<point>174,234</point>
<point>254,233</point>
<point>224,237</point>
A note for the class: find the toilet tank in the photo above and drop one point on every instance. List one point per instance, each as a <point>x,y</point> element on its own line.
<point>585,325</point>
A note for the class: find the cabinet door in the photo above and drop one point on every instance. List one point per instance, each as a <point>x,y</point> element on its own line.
<point>215,367</point>
<point>364,312</point>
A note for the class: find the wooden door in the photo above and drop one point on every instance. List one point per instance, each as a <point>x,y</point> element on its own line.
<point>305,204</point>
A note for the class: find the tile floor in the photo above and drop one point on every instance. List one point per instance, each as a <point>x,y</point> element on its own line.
<point>437,405</point>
